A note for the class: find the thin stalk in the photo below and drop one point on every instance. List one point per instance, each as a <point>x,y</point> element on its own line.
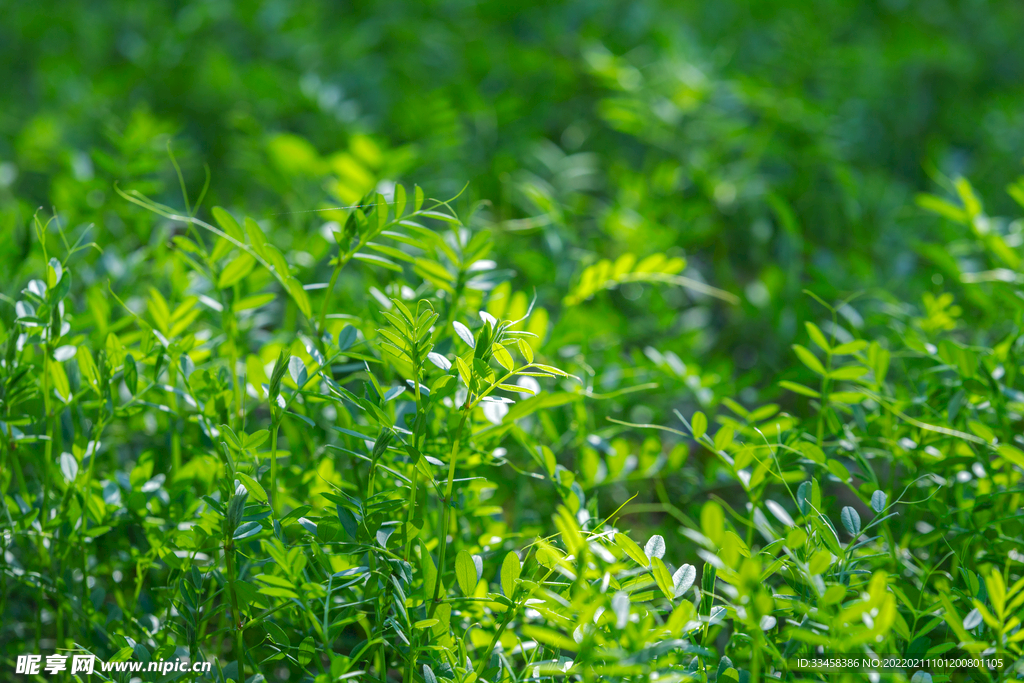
<point>11,450</point>
<point>48,446</point>
<point>447,508</point>
<point>416,431</point>
<point>47,464</point>
<point>236,626</point>
<point>342,262</point>
<point>483,661</point>
<point>176,432</point>
<point>274,502</point>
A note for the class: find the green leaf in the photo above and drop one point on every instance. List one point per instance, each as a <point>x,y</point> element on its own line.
<point>699,424</point>
<point>235,271</point>
<point>276,633</point>
<point>68,466</point>
<point>850,348</point>
<point>799,389</point>
<point>258,239</point>
<point>848,372</point>
<point>851,520</point>
<point>131,374</point>
<point>60,381</point>
<point>88,368</point>
<point>438,215</point>
<point>812,452</point>
<point>552,370</point>
<point>399,201</point>
<point>464,334</point>
<point>1011,454</point>
<point>256,439</point>
<point>307,650</point>
<point>158,310</point>
<point>828,535</point>
<point>683,579</point>
<point>723,437</point>
<point>819,562</point>
<point>712,521</point>
<point>503,357</point>
<point>299,296</point>
<point>253,486</point>
<point>809,359</point>
<point>550,637</point>
<point>817,336</point>
<point>511,568</point>
<point>525,349</point>
<point>465,572</point>
<point>663,578</point>
<point>250,302</point>
<point>631,549</point>
<point>227,223</point>
<point>374,259</point>
<point>247,529</point>
<point>464,371</point>
<point>937,205</point>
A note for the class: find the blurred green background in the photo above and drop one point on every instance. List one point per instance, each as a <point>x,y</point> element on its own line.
<point>776,145</point>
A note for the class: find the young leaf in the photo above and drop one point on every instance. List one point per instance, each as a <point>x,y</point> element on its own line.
<point>663,578</point>
<point>503,357</point>
<point>252,486</point>
<point>465,572</point>
<point>712,521</point>
<point>68,466</point>
<point>851,520</point>
<point>464,334</point>
<point>655,547</point>
<point>131,374</point>
<point>60,381</point>
<point>799,389</point>
<point>683,579</point>
<point>699,424</point>
<point>236,270</point>
<point>525,349</point>
<point>809,359</point>
<point>511,567</point>
<point>297,371</point>
<point>632,550</point>
<point>464,371</point>
<point>817,336</point>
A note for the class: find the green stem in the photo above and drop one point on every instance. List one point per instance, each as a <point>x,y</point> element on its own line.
<point>236,626</point>
<point>416,430</point>
<point>176,432</point>
<point>447,510</point>
<point>486,658</point>
<point>409,512</point>
<point>274,503</point>
<point>48,447</point>
<point>342,261</point>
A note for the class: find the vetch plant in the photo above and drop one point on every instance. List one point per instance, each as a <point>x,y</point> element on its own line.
<point>382,467</point>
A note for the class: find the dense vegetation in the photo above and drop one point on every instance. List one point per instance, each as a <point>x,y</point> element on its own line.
<point>696,353</point>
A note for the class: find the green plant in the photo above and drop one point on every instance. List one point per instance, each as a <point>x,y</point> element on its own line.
<point>408,472</point>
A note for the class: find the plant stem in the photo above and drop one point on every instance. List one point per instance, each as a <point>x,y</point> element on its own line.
<point>236,626</point>
<point>342,261</point>
<point>176,431</point>
<point>274,503</point>
<point>447,507</point>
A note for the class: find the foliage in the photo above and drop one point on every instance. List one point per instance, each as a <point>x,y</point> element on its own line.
<point>713,364</point>
<point>344,493</point>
